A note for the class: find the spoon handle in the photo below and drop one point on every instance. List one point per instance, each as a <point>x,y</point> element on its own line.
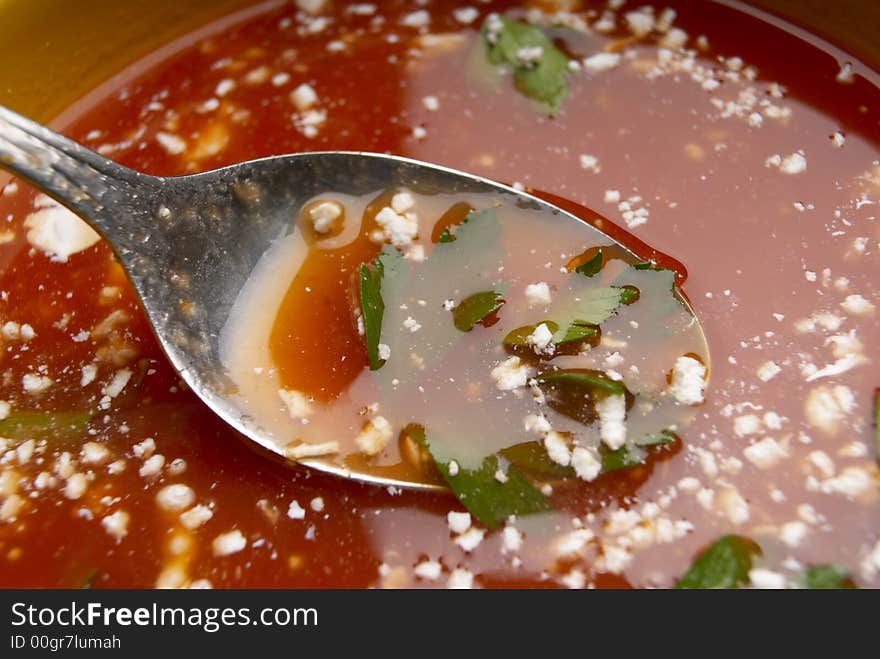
<point>89,184</point>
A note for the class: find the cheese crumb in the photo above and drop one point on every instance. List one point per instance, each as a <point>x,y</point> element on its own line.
<point>612,421</point>
<point>688,380</point>
<point>857,305</point>
<point>304,97</point>
<point>538,293</point>
<point>374,436</point>
<point>766,453</point>
<point>793,164</point>
<point>511,540</point>
<point>470,539</point>
<point>296,511</point>
<point>766,579</point>
<point>768,370</point>
<point>324,215</point>
<point>601,62</point>
<point>116,524</point>
<point>460,579</point>
<point>306,450</point>
<point>586,465</point>
<point>298,405</point>
<point>511,374</point>
<point>228,543</point>
<point>428,570</point>
<point>175,497</point>
<point>196,516</point>
<point>458,522</point>
<point>557,448</point>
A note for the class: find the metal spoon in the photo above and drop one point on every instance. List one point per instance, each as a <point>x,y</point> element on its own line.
<point>189,243</point>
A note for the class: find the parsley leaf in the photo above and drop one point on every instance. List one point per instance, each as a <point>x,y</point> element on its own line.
<point>475,309</point>
<point>542,78</point>
<point>488,499</point>
<point>593,265</point>
<point>828,576</point>
<point>725,564</point>
<point>372,305</point>
<point>633,455</point>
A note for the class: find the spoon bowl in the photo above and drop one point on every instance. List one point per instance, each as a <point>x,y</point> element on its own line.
<point>189,243</point>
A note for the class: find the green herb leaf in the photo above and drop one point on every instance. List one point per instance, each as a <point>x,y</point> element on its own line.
<point>87,583</point>
<point>593,265</point>
<point>372,305</point>
<point>57,426</point>
<point>446,236</point>
<point>574,392</point>
<point>828,576</point>
<point>597,305</point>
<point>475,308</point>
<point>633,455</point>
<point>725,564</point>
<point>545,78</point>
<point>533,457</point>
<point>489,500</point>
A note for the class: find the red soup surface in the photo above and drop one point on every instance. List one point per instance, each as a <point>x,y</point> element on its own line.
<point>741,151</point>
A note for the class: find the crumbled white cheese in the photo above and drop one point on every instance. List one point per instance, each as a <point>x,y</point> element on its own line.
<point>416,19</point>
<point>768,370</point>
<point>229,543</point>
<point>458,522</point>
<point>640,22</point>
<point>116,524</point>
<point>601,62</point>
<point>89,373</point>
<point>612,420</point>
<point>688,380</point>
<point>175,497</point>
<point>304,97</point>
<point>734,507</point>
<point>399,229</point>
<point>511,540</point>
<point>460,579</point>
<point>33,383</point>
<point>296,511</point>
<point>793,533</point>
<point>585,463</point>
<point>536,423</point>
<point>324,215</point>
<point>306,450</point>
<point>766,453</point>
<point>173,144</point>
<point>94,453</point>
<point>402,202</point>
<point>590,162</point>
<point>766,579</point>
<point>826,407</point>
<point>511,374</point>
<point>431,103</point>
<point>857,305</point>
<point>541,340</point>
<point>374,436</point>
<point>465,15</point>
<point>793,164</point>
<point>383,350</point>
<point>470,539</point>
<point>196,516</point>
<point>317,504</point>
<point>428,570</point>
<point>297,403</point>
<point>152,466</point>
<point>76,486</point>
<point>538,293</point>
<point>557,448</point>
